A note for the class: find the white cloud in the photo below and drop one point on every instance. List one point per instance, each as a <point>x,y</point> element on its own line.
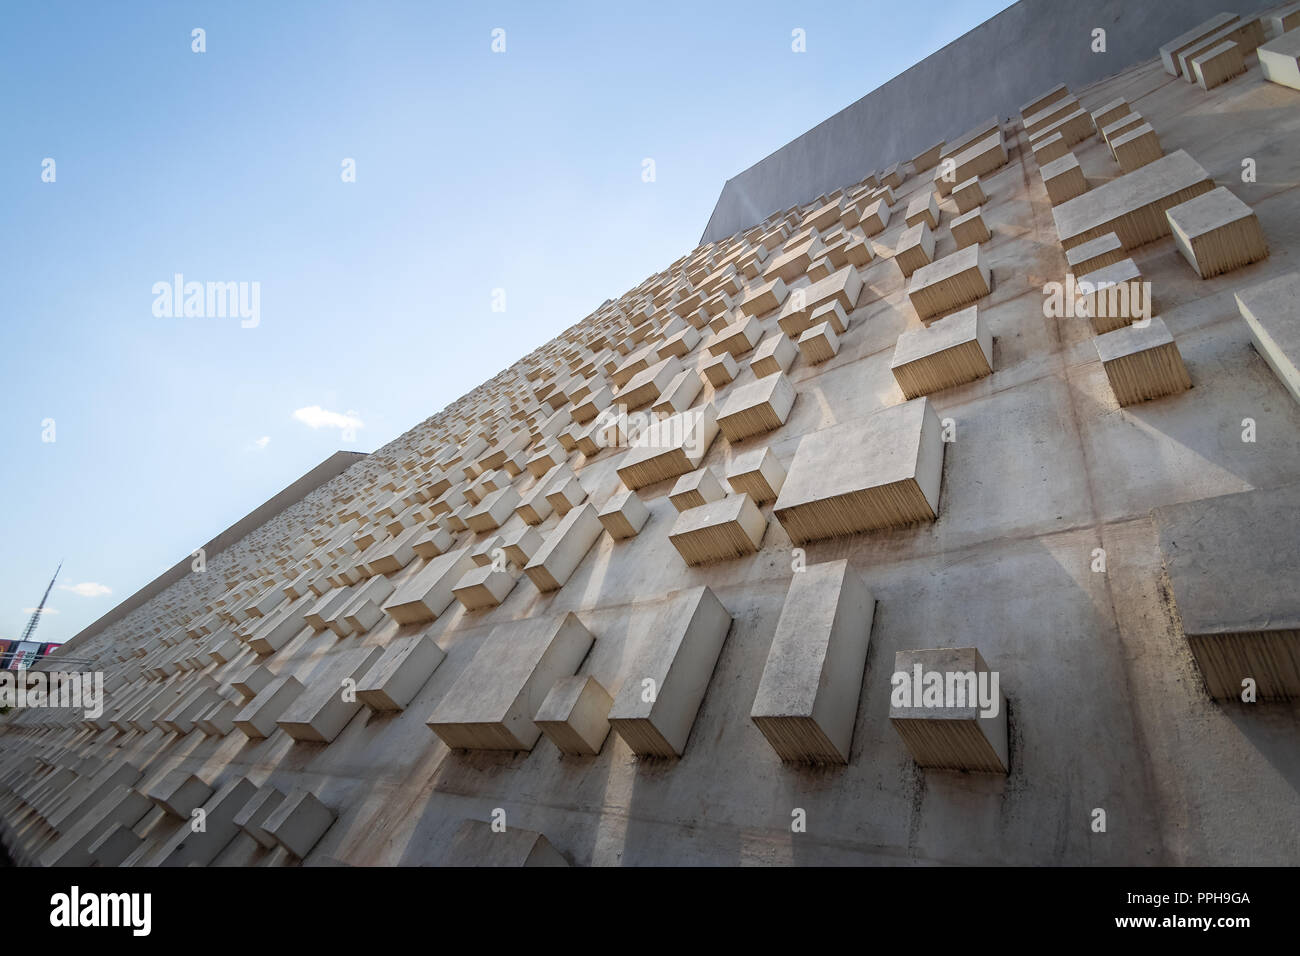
<point>263,441</point>
<point>313,416</point>
<point>87,589</point>
<point>44,610</point>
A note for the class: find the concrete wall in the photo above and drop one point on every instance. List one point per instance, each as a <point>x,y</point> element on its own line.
<point>335,464</point>
<point>992,69</point>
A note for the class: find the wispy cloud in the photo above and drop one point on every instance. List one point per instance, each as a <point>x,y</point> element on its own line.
<point>87,589</point>
<point>313,416</point>
<point>263,441</point>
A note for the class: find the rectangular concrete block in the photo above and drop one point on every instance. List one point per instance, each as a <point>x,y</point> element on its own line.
<point>1170,51</point>
<point>774,355</point>
<point>1216,232</point>
<point>493,511</point>
<point>492,703</point>
<point>1132,206</point>
<point>1064,179</point>
<point>396,677</point>
<point>1136,148</point>
<point>670,447</point>
<point>692,627</point>
<point>178,793</point>
<point>680,394</point>
<point>819,344</point>
<point>756,408</point>
<point>623,515</point>
<point>564,548</point>
<point>1218,65</point>
<point>874,218</point>
<point>1142,362</point>
<point>122,806</point>
<point>426,594</point>
<point>969,228</point>
<point>718,531</point>
<point>191,847</point>
<point>299,822</point>
<point>565,493</point>
<point>968,195</point>
<point>807,700</point>
<point>756,473</point>
<point>978,159</point>
<point>257,719</point>
<point>1247,33</point>
<point>954,281</point>
<point>575,715</point>
<point>947,729</point>
<point>720,369</point>
<point>1272,312</point>
<point>882,471</point>
<point>647,386</point>
<point>1103,117</point>
<point>736,339</point>
<point>949,352</point>
<point>696,488</point>
<point>762,299</point>
<point>1113,296</point>
<point>924,207</point>
<point>320,712</point>
<point>479,844</point>
<point>1096,254</point>
<point>252,816</point>
<point>915,249</point>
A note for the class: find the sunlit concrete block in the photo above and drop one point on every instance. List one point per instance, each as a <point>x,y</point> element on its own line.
<point>952,351</point>
<point>718,531</point>
<point>1272,312</point>
<point>624,514</point>
<point>892,177</point>
<point>969,228</point>
<point>1119,127</point>
<point>1113,296</point>
<point>365,610</point>
<point>842,288</point>
<point>1096,254</point>
<point>593,403</point>
<point>967,196</point>
<point>1142,362</point>
<point>807,700</point>
<point>252,816</point>
<point>737,338</point>
<point>952,282</point>
<point>720,369</point>
<point>394,680</point>
<point>915,248</point>
<point>927,159</point>
<point>656,706</point>
<point>648,385</point>
<point>762,299</point>
<point>431,541</point>
<point>564,548</point>
<point>775,354</point>
<point>1247,34</point>
<point>189,846</point>
<point>1073,127</point>
<point>1115,109</point>
<point>328,607</point>
<point>979,158</point>
<point>1171,51</point>
<point>819,344</point>
<point>1285,19</point>
<point>756,408</point>
<point>1218,65</point>
<point>250,681</point>
<point>1058,92</point>
<point>1049,149</point>
<point>122,806</point>
<point>1137,148</point>
<point>874,218</point>
<point>670,447</point>
<point>1049,115</point>
<point>493,511</point>
<point>534,507</point>
<point>485,587</point>
<point>427,593</point>
<point>833,313</point>
<point>1217,232</point>
<point>794,261</point>
<point>756,473</point>
<point>494,699</point>
<point>1132,206</point>
<point>178,793</point>
<point>881,471</point>
<point>924,207</point>
<point>696,488</point>
<point>299,822</point>
<point>1064,179</point>
<point>947,728</point>
<point>479,844</point>
<point>575,715</point>
<point>219,719</point>
<point>257,719</point>
<point>485,551</point>
<point>680,393</point>
<point>566,493</point>
<point>521,544</point>
<point>321,712</point>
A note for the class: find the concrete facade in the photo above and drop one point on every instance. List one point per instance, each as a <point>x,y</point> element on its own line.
<point>1025,524</point>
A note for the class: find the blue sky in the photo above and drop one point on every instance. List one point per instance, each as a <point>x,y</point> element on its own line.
<point>475,171</point>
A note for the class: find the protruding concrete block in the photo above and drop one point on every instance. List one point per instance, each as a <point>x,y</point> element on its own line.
<point>737,338</point>
<point>426,594</point>
<point>521,544</point>
<point>875,217</point>
<point>1113,296</point>
<point>566,493</point>
<point>718,531</point>
<point>655,708</point>
<point>116,844</point>
<point>478,844</point>
<point>1279,59</point>
<point>624,514</point>
<point>959,721</point>
<point>564,548</point>
<point>924,207</point>
<point>575,715</point>
<point>756,473</point>
<point>493,701</point>
<point>178,793</point>
<point>199,847</point>
<point>123,805</point>
<point>979,158</point>
<point>1170,52</point>
<point>819,344</point>
<point>968,195</point>
<point>1272,311</point>
<point>671,446</point>
<point>321,711</point>
<point>681,393</point>
<point>915,249</point>
<point>257,719</point>
<point>696,488</point>
<point>952,282</point>
<point>756,408</point>
<point>299,822</point>
<point>1218,65</point>
<point>762,299</point>
<point>1217,232</point>
<point>1142,362</point>
<point>648,385</point>
<point>720,369</point>
<point>881,471</point>
<point>969,228</point>
<point>405,667</point>
<point>485,586</point>
<point>1136,148</point>
<point>1064,179</point>
<point>252,816</point>
<point>774,355</point>
<point>951,351</point>
<point>807,700</point>
<point>493,511</point>
<point>1095,254</point>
